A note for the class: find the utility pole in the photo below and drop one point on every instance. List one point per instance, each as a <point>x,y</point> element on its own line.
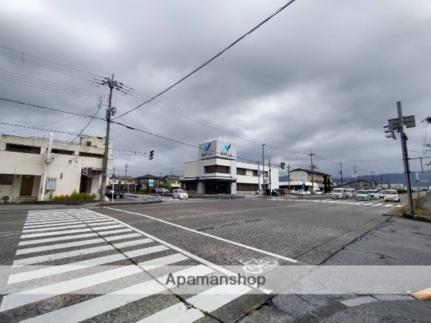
<point>258,174</point>
<point>112,84</point>
<point>263,167</point>
<point>355,170</point>
<point>311,154</point>
<point>341,172</point>
<point>397,124</point>
<point>269,174</point>
<point>288,176</point>
<point>126,169</point>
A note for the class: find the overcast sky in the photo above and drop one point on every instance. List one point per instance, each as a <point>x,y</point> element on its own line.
<point>322,76</point>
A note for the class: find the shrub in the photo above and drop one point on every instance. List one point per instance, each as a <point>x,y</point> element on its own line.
<point>75,197</point>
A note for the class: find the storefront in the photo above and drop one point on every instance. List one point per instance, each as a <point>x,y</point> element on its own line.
<point>217,171</point>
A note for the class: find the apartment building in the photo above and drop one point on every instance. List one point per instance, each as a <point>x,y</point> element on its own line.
<point>30,171</point>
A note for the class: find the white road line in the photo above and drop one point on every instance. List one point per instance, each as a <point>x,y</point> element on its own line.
<point>211,236</point>
<point>59,246</point>
<point>162,261</point>
<point>71,237</point>
<point>50,225</point>
<point>47,234</point>
<point>49,220</point>
<point>24,251</point>
<point>73,226</point>
<point>389,205</point>
<point>208,301</point>
<point>62,224</point>
<point>377,204</point>
<point>78,265</point>
<point>184,252</point>
<point>79,252</point>
<point>37,294</point>
<point>98,305</point>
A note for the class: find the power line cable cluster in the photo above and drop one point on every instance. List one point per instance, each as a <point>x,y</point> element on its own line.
<point>232,44</point>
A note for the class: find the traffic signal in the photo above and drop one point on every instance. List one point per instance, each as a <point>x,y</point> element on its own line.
<point>151,155</point>
<point>390,133</point>
<point>282,165</point>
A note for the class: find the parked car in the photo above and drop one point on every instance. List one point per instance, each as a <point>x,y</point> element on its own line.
<point>338,193</point>
<point>391,196</point>
<point>350,193</point>
<point>363,195</point>
<point>117,195</point>
<point>381,194</point>
<point>374,194</point>
<point>162,191</point>
<point>179,194</point>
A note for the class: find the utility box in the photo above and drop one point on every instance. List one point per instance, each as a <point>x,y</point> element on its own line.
<point>51,184</point>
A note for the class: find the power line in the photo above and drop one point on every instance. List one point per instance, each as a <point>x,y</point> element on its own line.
<point>41,62</point>
<point>50,109</point>
<point>211,59</point>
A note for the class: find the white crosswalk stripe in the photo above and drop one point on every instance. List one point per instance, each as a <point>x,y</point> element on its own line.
<point>101,251</point>
<point>325,201</point>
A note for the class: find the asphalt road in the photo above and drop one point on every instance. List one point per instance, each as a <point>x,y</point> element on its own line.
<point>75,250</point>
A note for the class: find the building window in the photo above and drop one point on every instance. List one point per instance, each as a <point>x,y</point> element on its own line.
<point>243,187</point>
<point>254,172</point>
<point>217,169</point>
<point>6,179</point>
<point>241,171</point>
<point>62,151</point>
<point>23,149</point>
<point>83,154</point>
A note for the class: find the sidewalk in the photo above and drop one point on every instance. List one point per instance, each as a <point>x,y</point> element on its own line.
<point>398,241</point>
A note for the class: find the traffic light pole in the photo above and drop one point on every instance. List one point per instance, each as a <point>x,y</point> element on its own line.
<point>403,139</point>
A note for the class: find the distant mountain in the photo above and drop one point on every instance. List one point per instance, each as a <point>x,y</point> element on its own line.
<point>393,178</point>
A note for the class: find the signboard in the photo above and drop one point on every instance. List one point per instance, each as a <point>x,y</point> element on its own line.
<point>409,121</point>
<point>151,183</point>
<point>217,149</point>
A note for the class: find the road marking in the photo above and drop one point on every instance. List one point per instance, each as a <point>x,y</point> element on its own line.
<point>74,226</point>
<point>377,204</point>
<point>69,245</point>
<point>211,236</point>
<point>208,301</point>
<point>84,264</point>
<point>47,234</point>
<point>389,205</point>
<point>50,223</point>
<point>26,226</point>
<point>78,252</point>
<point>71,237</point>
<point>162,261</point>
<point>37,294</point>
<point>184,252</point>
<point>98,305</point>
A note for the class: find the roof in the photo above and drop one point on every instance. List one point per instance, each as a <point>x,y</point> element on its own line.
<point>147,176</point>
<point>130,178</point>
<point>309,171</point>
<point>172,177</point>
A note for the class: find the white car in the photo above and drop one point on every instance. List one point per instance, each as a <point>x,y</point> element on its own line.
<point>391,196</point>
<point>374,194</point>
<point>179,194</point>
<point>363,195</point>
<point>350,193</point>
<point>338,193</point>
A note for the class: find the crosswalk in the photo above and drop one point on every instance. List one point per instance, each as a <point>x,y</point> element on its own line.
<point>344,202</point>
<point>75,264</point>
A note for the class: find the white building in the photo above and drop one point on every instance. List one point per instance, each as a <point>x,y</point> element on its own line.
<point>218,171</point>
<point>25,162</point>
